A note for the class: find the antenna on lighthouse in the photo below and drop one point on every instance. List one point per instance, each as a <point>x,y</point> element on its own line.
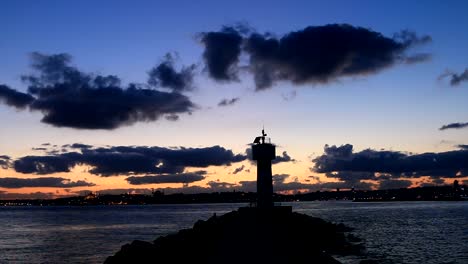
<point>263,131</point>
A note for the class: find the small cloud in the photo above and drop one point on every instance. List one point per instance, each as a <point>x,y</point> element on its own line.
<point>454,126</point>
<point>455,78</point>
<point>227,102</point>
<point>289,96</point>
<point>284,158</point>
<point>172,117</point>
<point>237,170</point>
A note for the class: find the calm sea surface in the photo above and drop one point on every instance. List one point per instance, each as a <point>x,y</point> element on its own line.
<point>396,232</point>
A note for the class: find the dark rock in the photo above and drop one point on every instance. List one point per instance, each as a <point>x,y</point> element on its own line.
<point>249,235</point>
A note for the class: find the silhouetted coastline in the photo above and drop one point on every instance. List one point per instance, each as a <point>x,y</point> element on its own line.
<point>435,193</point>
<point>248,235</point>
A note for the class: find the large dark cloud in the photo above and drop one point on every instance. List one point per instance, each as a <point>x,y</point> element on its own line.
<point>454,126</point>
<point>341,162</point>
<point>186,178</point>
<point>315,54</point>
<point>68,97</point>
<point>128,160</point>
<point>455,78</point>
<point>324,53</point>
<point>222,51</point>
<point>165,75</point>
<point>14,98</point>
<point>42,182</point>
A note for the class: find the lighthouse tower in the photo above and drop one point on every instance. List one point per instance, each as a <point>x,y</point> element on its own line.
<point>264,152</point>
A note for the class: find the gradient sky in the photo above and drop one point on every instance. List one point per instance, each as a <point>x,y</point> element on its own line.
<point>399,108</point>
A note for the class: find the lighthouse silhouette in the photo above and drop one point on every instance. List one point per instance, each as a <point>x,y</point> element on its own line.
<point>263,151</point>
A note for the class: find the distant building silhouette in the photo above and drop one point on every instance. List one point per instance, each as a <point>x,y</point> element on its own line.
<point>264,152</point>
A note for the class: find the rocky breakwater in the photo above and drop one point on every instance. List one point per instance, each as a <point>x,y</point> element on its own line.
<point>248,235</point>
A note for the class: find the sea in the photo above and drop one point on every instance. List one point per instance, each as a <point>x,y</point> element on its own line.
<point>392,232</point>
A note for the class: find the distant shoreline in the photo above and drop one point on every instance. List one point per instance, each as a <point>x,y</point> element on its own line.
<point>438,193</point>
<point>124,205</point>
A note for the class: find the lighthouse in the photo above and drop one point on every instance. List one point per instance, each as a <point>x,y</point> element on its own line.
<point>263,151</point>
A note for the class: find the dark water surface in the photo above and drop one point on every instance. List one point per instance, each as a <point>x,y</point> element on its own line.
<point>396,232</point>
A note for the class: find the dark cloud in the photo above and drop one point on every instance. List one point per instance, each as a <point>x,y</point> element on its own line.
<point>438,181</point>
<point>14,98</point>
<point>222,51</point>
<point>39,149</point>
<point>165,75</point>
<point>35,195</point>
<point>454,126</point>
<point>128,160</point>
<point>352,176</point>
<point>341,162</point>
<point>47,164</point>
<point>279,178</point>
<point>68,97</point>
<point>5,161</point>
<point>221,186</point>
<point>41,182</point>
<point>455,78</point>
<point>284,158</point>
<point>227,102</point>
<point>315,54</point>
<point>212,187</point>
<point>79,146</point>
<point>43,165</point>
<point>428,184</point>
<point>409,38</point>
<point>394,184</point>
<point>172,117</point>
<point>237,170</point>
<point>188,177</point>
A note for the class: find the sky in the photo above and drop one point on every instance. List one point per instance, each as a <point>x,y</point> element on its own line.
<point>133,96</point>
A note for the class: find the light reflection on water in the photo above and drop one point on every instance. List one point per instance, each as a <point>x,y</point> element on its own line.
<point>399,232</point>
